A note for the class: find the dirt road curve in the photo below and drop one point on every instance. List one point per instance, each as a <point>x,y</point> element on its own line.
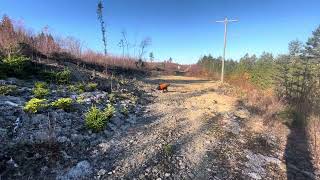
<point>193,131</point>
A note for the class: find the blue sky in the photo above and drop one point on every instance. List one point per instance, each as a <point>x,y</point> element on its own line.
<point>181,29</point>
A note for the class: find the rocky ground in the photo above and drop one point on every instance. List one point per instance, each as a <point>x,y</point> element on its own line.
<point>197,130</point>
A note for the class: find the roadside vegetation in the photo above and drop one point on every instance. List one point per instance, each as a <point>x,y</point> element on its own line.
<point>283,86</point>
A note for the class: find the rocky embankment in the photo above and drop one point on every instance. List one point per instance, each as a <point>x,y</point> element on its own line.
<point>55,143</point>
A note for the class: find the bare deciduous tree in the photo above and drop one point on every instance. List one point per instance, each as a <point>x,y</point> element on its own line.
<point>73,46</point>
<point>125,40</point>
<point>8,38</point>
<point>121,45</point>
<point>143,45</point>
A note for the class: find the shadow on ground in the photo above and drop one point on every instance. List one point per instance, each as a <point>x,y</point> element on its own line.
<point>297,155</point>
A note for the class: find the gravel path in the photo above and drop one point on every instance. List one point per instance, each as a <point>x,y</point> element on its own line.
<point>191,132</point>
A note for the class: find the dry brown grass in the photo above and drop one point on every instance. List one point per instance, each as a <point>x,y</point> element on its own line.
<point>110,60</point>
<point>256,125</point>
<point>242,81</point>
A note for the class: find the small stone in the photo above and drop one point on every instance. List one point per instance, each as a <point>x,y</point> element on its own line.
<point>81,171</point>
<point>191,175</point>
<point>167,174</point>
<point>44,169</point>
<point>62,139</point>
<point>141,176</point>
<point>101,172</point>
<point>254,176</point>
<point>37,155</point>
<point>12,163</point>
<point>148,170</point>
<point>110,173</point>
<point>11,103</point>
<point>104,146</point>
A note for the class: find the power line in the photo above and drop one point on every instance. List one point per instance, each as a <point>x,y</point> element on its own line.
<point>225,21</point>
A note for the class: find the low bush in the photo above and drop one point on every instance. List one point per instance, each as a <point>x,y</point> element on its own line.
<point>7,89</point>
<point>112,97</point>
<point>81,87</point>
<point>109,111</point>
<point>41,85</point>
<point>78,88</point>
<point>62,103</point>
<point>96,119</point>
<point>40,90</point>
<point>80,99</point>
<point>35,105</point>
<point>168,149</point>
<point>91,86</point>
<point>16,63</point>
<point>72,88</point>
<point>48,76</point>
<point>63,77</point>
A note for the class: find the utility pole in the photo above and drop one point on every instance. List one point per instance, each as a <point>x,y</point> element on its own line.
<point>225,21</point>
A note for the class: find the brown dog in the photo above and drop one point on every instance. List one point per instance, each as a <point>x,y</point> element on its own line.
<point>163,87</point>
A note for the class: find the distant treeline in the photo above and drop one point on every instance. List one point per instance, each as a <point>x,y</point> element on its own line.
<point>294,77</point>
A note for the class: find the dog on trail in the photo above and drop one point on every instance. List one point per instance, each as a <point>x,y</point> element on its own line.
<point>163,87</point>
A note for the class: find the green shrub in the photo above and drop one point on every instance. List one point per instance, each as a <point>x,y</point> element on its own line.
<point>80,99</point>
<point>112,97</point>
<point>35,104</point>
<point>95,119</point>
<point>81,87</point>
<point>78,88</point>
<point>109,111</point>
<point>62,103</point>
<point>48,76</point>
<point>63,77</point>
<point>7,89</point>
<point>91,86</point>
<point>168,149</point>
<point>40,90</point>
<point>15,63</point>
<point>72,88</point>
<point>41,85</point>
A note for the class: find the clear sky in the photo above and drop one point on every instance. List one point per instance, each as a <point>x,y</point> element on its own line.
<point>181,29</point>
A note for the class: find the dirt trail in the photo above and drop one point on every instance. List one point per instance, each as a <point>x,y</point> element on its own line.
<point>191,132</point>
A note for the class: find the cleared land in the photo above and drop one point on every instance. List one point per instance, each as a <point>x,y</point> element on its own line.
<point>194,131</point>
